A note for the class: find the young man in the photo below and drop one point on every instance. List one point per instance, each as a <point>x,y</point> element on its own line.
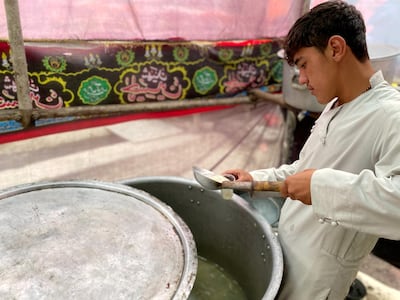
<point>344,189</point>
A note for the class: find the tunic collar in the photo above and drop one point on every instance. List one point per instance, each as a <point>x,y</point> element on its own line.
<point>376,79</point>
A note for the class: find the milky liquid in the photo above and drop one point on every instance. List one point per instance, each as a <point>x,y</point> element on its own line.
<point>214,283</point>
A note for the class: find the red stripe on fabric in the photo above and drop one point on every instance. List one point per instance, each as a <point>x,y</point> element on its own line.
<point>242,43</point>
<point>89,123</point>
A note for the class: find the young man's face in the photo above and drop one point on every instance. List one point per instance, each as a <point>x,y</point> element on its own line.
<point>317,72</point>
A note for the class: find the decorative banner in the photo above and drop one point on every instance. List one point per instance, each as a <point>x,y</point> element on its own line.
<point>78,74</point>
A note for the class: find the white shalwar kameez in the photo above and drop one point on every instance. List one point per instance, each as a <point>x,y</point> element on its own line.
<point>355,194</point>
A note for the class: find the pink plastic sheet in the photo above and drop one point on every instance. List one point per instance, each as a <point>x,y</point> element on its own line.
<point>153,19</point>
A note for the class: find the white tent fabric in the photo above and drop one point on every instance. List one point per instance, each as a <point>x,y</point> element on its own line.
<point>153,19</point>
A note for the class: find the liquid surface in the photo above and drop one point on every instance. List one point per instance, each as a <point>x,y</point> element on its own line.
<point>214,283</point>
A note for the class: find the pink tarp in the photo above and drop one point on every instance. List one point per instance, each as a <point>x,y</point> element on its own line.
<point>153,19</point>
<point>209,20</point>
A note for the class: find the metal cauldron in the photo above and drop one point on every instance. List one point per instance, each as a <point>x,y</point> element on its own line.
<point>228,232</point>
<point>295,94</point>
<point>385,58</point>
<point>92,240</point>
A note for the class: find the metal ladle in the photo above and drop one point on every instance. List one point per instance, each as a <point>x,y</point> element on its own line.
<point>212,181</point>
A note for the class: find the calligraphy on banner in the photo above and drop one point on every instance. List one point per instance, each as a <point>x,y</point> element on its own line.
<point>47,94</point>
<point>152,81</point>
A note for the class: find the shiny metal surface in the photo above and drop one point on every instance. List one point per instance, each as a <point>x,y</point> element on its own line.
<point>385,58</point>
<point>268,204</point>
<point>212,181</point>
<point>295,94</point>
<point>208,179</point>
<point>92,240</point>
<point>228,232</point>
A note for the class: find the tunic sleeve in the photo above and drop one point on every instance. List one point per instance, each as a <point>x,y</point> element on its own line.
<point>275,174</point>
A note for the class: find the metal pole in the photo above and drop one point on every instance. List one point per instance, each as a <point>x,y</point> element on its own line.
<point>255,96</point>
<point>112,109</point>
<point>18,58</point>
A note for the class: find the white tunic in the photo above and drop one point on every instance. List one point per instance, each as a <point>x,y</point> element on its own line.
<point>355,194</point>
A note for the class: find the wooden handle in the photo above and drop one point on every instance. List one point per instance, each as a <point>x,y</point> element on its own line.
<point>273,186</point>
<point>237,185</point>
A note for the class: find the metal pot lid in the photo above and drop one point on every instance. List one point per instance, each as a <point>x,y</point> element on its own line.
<point>92,240</point>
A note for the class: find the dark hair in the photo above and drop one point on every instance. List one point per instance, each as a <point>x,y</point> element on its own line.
<point>329,18</point>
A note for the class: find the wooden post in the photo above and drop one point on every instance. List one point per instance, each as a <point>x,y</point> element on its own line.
<point>306,7</point>
<point>18,57</point>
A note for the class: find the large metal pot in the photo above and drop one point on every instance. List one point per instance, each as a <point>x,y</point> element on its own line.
<point>295,94</point>
<point>92,240</point>
<point>383,57</point>
<point>228,232</point>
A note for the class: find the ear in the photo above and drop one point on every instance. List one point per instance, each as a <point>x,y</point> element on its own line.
<point>337,46</point>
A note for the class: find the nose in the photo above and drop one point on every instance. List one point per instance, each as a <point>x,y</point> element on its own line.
<point>302,78</point>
